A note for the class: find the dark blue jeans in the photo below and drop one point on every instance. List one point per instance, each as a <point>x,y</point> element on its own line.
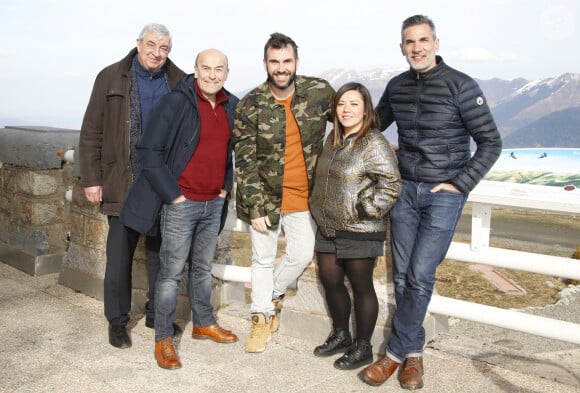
<point>422,227</point>
<point>189,230</point>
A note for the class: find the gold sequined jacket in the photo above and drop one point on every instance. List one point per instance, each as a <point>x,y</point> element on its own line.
<point>355,186</point>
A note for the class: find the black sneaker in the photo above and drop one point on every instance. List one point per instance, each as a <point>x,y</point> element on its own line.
<point>358,355</point>
<point>339,340</point>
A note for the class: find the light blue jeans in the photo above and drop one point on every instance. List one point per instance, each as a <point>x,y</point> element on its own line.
<point>299,229</point>
<point>189,231</point>
<point>422,226</point>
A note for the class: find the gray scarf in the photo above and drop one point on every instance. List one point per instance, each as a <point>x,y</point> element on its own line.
<point>135,123</point>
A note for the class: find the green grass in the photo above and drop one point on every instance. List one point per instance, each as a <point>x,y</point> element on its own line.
<point>535,177</point>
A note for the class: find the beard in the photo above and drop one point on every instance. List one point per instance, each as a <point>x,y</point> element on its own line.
<point>285,86</point>
<point>427,63</point>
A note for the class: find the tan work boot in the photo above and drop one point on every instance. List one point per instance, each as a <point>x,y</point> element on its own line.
<point>277,302</point>
<point>274,323</point>
<point>260,333</point>
<point>165,354</point>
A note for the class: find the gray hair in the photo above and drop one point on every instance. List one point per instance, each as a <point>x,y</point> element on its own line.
<point>156,29</point>
<point>417,20</point>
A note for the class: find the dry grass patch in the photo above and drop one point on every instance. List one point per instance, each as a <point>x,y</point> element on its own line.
<point>458,281</point>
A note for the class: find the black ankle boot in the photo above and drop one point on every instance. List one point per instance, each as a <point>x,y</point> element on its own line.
<point>339,340</point>
<point>358,355</point>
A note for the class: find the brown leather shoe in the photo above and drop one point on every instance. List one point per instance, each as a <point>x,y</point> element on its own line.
<point>214,332</point>
<point>378,372</point>
<point>411,374</point>
<point>165,354</point>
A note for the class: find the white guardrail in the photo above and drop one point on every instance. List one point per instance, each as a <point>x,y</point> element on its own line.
<point>516,196</point>
<point>486,195</point>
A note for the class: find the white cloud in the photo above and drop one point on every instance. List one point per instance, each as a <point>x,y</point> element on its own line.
<point>481,54</point>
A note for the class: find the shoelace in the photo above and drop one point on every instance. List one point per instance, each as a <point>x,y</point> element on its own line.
<point>384,362</point>
<point>412,363</point>
<point>167,350</point>
<point>223,331</point>
<point>258,329</point>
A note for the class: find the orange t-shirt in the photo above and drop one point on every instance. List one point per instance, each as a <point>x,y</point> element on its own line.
<point>295,182</point>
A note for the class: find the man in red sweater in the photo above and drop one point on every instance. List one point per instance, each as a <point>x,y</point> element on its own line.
<point>187,172</point>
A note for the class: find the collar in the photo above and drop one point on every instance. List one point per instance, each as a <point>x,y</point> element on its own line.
<point>422,75</point>
<point>220,96</point>
<point>144,73</point>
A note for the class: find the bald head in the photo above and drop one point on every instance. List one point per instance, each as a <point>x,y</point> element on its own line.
<point>211,54</point>
<point>211,72</point>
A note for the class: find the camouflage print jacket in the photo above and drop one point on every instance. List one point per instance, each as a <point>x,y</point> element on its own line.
<point>259,137</point>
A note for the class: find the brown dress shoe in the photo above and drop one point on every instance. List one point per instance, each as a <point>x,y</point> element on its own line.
<point>411,374</point>
<point>214,332</point>
<point>165,354</point>
<point>378,372</point>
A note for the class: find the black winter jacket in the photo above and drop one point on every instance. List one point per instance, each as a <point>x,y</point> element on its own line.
<point>167,144</point>
<point>437,112</point>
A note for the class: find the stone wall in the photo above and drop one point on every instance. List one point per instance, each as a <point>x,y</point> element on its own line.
<point>42,232</point>
<point>34,216</point>
<point>47,226</point>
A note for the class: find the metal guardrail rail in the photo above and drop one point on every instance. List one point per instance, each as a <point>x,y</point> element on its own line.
<point>517,196</point>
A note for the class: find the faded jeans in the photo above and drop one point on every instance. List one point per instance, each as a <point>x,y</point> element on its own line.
<point>422,227</point>
<point>189,230</point>
<point>299,229</point>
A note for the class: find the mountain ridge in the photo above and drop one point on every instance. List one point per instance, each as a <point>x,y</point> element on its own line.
<point>540,113</point>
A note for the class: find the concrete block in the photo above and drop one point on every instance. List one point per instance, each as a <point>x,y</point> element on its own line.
<point>36,147</point>
<point>30,263</point>
<point>81,281</point>
<point>31,240</point>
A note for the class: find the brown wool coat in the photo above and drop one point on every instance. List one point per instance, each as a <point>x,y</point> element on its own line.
<point>104,140</point>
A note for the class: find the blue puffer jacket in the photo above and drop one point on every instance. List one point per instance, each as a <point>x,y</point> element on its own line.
<point>167,144</point>
<point>437,113</point>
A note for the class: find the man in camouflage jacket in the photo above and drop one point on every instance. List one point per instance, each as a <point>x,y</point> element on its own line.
<point>278,133</point>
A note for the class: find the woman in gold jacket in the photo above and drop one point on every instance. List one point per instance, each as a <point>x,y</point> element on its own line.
<point>357,182</point>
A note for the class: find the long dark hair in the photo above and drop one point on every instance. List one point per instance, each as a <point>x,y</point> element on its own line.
<point>370,118</point>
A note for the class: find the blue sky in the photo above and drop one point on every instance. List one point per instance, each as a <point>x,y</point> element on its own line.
<point>52,49</point>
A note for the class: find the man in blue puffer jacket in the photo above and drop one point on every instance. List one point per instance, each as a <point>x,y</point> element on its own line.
<point>438,110</point>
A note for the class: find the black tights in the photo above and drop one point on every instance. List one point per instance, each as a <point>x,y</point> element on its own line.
<point>360,275</point>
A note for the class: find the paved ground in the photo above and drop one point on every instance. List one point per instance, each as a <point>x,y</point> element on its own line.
<point>55,340</point>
